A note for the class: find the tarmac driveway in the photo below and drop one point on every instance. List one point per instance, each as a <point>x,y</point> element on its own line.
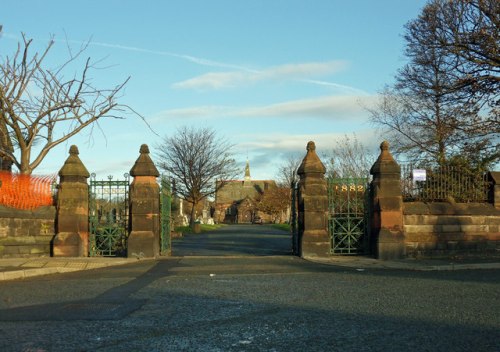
<point>235,240</point>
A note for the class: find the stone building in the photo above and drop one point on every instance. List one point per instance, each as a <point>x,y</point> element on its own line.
<point>235,201</point>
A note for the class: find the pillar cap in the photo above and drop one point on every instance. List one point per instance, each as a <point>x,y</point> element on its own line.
<point>144,166</point>
<point>311,162</point>
<point>73,166</point>
<point>385,162</point>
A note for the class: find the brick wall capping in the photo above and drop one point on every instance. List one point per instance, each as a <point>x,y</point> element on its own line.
<point>45,212</point>
<point>73,166</point>
<point>311,164</point>
<point>447,208</point>
<point>144,166</point>
<point>385,163</point>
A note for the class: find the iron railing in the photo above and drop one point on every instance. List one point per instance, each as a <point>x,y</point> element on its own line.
<point>443,183</point>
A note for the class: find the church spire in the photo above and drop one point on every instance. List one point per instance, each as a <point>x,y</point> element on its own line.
<point>247,171</point>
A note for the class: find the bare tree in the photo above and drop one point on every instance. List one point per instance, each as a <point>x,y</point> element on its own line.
<point>287,172</point>
<point>40,108</point>
<point>445,100</point>
<point>199,161</point>
<point>349,158</point>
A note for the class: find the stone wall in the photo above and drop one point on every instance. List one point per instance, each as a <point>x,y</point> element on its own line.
<point>26,233</point>
<point>416,229</point>
<point>438,229</point>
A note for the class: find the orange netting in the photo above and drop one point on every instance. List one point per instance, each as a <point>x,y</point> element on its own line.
<point>25,191</point>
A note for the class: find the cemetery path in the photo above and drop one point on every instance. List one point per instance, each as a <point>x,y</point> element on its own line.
<point>235,240</point>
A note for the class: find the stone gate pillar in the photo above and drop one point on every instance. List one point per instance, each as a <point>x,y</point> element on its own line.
<point>313,206</point>
<point>72,220</point>
<point>387,235</point>
<point>144,238</point>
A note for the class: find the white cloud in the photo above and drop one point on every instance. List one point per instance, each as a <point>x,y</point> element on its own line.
<point>194,112</point>
<point>331,107</point>
<point>218,80</point>
<point>268,151</point>
<point>279,144</point>
<point>325,107</point>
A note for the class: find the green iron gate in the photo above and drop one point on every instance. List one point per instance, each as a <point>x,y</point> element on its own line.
<point>165,216</point>
<point>294,189</point>
<point>347,213</point>
<point>108,216</point>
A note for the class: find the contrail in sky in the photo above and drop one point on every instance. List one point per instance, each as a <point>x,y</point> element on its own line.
<point>189,58</point>
<point>209,63</point>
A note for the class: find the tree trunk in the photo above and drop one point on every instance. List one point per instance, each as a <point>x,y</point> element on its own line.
<point>193,212</point>
<point>25,168</point>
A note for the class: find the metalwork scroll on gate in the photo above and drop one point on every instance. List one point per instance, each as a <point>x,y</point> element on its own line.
<point>165,216</point>
<point>108,216</point>
<point>347,213</point>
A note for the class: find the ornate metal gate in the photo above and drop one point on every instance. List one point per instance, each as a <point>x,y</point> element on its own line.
<point>347,213</point>
<point>294,218</point>
<point>108,216</point>
<point>165,217</point>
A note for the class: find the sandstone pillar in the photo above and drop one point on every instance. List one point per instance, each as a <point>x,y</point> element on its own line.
<point>72,219</point>
<point>144,238</point>
<point>387,235</point>
<point>313,238</point>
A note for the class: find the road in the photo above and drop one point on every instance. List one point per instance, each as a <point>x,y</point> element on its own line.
<point>235,240</point>
<point>251,303</point>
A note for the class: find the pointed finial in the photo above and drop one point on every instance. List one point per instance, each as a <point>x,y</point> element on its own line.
<point>73,150</point>
<point>311,146</point>
<point>384,146</point>
<point>144,166</point>
<point>385,162</point>
<point>311,164</point>
<point>73,166</point>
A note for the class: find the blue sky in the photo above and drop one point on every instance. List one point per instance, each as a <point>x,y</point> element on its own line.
<point>269,75</point>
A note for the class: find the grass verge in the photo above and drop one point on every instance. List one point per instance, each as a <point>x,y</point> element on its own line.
<point>203,228</point>
<point>284,227</point>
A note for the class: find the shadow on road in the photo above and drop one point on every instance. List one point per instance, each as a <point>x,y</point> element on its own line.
<point>253,304</point>
<point>231,240</point>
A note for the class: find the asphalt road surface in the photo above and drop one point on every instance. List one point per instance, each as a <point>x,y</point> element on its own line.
<point>235,240</point>
<point>251,303</point>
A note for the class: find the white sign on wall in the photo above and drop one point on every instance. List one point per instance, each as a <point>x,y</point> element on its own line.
<point>419,175</point>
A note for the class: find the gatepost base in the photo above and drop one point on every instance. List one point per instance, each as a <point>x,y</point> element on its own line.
<point>143,244</point>
<point>68,244</point>
<point>390,245</point>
